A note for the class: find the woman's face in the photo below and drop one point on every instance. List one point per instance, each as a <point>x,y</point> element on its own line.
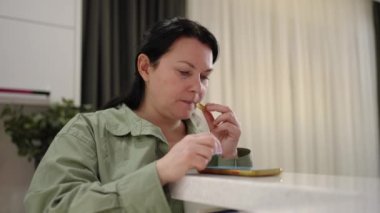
<point>180,79</point>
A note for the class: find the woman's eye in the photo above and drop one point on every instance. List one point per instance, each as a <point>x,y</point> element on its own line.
<point>184,73</point>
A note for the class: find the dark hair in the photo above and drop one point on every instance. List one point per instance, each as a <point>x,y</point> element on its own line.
<point>156,42</point>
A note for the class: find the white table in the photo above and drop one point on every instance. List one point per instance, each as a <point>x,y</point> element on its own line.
<point>289,192</point>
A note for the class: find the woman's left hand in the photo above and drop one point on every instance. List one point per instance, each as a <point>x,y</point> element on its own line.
<point>225,127</point>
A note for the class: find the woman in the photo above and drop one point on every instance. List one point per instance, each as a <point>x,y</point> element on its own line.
<point>121,159</point>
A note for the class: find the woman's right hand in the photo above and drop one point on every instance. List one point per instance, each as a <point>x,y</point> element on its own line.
<point>192,152</point>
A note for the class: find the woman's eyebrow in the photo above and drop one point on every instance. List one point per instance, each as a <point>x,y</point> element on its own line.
<point>188,63</point>
<point>193,66</point>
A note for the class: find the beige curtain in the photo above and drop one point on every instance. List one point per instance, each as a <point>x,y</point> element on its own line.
<point>300,75</point>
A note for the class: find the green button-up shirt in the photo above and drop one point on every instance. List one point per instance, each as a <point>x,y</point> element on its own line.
<point>106,161</point>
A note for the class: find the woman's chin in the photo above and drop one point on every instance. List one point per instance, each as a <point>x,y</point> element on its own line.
<point>185,115</point>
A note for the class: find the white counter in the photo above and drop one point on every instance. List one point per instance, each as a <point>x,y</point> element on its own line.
<point>288,192</point>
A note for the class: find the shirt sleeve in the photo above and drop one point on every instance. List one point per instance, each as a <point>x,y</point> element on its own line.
<point>67,181</point>
<point>243,159</point>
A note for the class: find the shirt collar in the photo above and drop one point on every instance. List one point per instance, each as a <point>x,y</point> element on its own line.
<point>122,121</point>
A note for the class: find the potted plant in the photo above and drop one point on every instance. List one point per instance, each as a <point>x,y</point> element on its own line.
<point>32,133</point>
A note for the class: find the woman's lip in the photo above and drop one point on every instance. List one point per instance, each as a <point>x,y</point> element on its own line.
<point>189,102</point>
<point>192,103</point>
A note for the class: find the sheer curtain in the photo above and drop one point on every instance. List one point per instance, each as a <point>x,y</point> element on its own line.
<point>301,77</point>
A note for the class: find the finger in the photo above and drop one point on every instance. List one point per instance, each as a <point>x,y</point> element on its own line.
<point>199,163</point>
<point>201,134</point>
<point>217,107</point>
<point>226,117</point>
<point>209,140</point>
<point>206,139</point>
<point>227,128</point>
<point>209,119</point>
<point>204,151</point>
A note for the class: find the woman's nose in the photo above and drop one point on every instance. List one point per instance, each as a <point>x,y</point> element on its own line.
<point>196,84</point>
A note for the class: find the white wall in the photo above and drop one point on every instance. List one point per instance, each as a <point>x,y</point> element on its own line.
<point>40,46</point>
<point>15,175</point>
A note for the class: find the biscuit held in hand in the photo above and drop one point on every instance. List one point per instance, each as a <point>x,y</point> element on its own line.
<point>209,118</point>
<point>201,106</point>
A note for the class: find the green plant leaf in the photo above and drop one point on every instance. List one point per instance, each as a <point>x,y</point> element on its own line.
<point>32,133</point>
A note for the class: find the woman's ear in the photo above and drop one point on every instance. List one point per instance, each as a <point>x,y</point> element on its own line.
<point>143,66</point>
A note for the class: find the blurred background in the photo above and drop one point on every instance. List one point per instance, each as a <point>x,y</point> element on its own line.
<point>301,75</point>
